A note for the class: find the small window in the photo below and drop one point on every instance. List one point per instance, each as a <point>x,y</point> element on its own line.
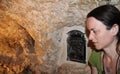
<point>76,46</point>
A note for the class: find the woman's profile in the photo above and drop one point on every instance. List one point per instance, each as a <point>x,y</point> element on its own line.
<point>103,25</point>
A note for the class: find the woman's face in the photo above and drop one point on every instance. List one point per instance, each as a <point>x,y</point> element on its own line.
<point>98,33</point>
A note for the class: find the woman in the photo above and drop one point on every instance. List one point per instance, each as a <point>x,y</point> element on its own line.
<point>103,25</point>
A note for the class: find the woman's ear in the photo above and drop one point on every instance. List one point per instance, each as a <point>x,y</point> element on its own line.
<point>115,29</point>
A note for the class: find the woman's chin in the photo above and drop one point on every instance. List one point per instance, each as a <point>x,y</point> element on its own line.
<point>98,48</point>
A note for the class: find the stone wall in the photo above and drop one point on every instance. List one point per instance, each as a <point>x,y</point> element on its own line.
<point>32,35</point>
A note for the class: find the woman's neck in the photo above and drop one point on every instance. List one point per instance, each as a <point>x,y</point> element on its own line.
<point>110,51</point>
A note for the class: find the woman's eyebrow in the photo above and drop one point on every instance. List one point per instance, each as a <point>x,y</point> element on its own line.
<point>91,29</point>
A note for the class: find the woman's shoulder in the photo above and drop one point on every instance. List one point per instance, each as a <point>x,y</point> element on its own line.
<point>96,53</point>
<point>118,66</point>
<point>95,57</point>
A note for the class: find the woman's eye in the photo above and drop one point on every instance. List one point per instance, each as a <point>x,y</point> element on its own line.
<point>94,31</point>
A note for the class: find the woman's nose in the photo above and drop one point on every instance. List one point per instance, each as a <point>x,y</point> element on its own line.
<point>90,37</point>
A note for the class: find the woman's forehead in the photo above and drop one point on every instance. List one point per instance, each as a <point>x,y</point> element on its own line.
<point>92,23</point>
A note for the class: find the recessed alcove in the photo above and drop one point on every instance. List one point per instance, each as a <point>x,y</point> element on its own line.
<point>76,46</point>
<point>78,37</point>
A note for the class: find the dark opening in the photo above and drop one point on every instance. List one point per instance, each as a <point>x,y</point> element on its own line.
<point>76,46</point>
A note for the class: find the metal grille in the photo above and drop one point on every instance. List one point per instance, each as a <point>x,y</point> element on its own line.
<point>76,46</point>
